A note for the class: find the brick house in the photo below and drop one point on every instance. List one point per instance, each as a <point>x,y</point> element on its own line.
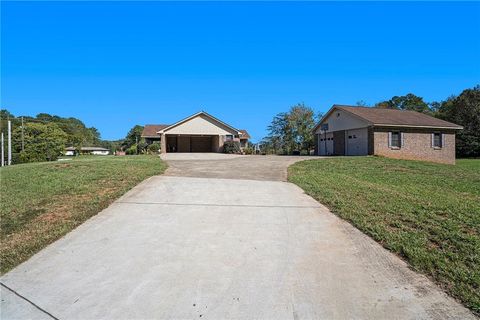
<point>200,132</point>
<point>349,130</point>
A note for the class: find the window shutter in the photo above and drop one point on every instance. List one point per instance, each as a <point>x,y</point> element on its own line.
<point>433,139</point>
<point>443,140</point>
<point>402,136</point>
<point>389,139</point>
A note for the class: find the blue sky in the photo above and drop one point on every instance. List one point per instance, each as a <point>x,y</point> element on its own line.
<point>117,64</point>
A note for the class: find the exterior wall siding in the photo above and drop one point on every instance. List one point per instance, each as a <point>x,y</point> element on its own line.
<point>341,120</point>
<point>417,145</point>
<point>201,125</point>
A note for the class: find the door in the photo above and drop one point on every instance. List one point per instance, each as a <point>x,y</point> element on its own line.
<point>201,144</point>
<point>357,142</point>
<point>325,144</point>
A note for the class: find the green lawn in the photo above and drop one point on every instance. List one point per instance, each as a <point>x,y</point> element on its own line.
<point>427,213</point>
<point>41,202</point>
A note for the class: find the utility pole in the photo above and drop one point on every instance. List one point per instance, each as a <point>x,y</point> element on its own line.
<point>23,138</point>
<point>9,157</point>
<point>3,152</point>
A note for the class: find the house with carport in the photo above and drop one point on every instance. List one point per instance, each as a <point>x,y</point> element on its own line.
<point>357,131</point>
<point>200,132</point>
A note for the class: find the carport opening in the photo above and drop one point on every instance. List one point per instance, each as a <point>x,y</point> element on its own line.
<point>190,143</point>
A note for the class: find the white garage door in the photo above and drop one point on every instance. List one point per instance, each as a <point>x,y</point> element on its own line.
<point>325,144</point>
<point>357,142</point>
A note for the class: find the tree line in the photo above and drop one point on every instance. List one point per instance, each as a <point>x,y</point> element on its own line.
<point>291,132</point>
<point>44,137</point>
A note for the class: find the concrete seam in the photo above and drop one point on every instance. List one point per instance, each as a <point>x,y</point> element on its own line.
<point>32,303</point>
<point>218,205</point>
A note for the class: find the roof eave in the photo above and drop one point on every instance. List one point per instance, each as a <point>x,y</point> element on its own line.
<point>416,126</point>
<point>335,106</point>
<point>196,115</point>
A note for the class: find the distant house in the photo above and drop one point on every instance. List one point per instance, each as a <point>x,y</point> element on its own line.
<point>200,132</point>
<point>71,151</point>
<point>350,131</point>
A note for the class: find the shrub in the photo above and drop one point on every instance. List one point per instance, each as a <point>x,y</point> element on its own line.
<point>248,150</point>
<point>154,148</point>
<point>131,150</point>
<point>231,147</point>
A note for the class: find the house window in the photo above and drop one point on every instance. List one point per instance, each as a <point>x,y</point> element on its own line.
<point>229,137</point>
<point>395,139</point>
<point>437,140</point>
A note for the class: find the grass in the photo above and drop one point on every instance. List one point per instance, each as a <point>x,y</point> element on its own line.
<point>41,202</point>
<point>427,213</point>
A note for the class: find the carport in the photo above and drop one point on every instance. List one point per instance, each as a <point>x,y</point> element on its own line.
<point>200,132</point>
<point>192,143</point>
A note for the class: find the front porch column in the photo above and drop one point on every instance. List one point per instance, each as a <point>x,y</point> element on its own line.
<point>163,143</point>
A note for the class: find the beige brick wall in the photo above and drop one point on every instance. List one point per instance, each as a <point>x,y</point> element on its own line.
<point>417,145</point>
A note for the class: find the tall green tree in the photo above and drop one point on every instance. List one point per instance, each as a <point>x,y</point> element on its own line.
<point>465,111</point>
<point>43,142</point>
<point>407,102</point>
<point>134,137</point>
<point>291,131</point>
<point>281,133</point>
<point>302,121</point>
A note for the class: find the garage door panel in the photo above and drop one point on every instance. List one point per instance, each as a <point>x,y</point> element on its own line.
<point>201,144</point>
<point>183,144</point>
<point>357,142</point>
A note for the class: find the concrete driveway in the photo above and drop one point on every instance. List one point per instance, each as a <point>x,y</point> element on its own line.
<point>186,245</point>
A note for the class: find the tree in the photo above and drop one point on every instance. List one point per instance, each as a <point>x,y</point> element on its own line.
<point>302,121</point>
<point>43,142</point>
<point>465,111</point>
<point>133,137</point>
<point>291,131</point>
<point>281,133</point>
<point>407,102</point>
